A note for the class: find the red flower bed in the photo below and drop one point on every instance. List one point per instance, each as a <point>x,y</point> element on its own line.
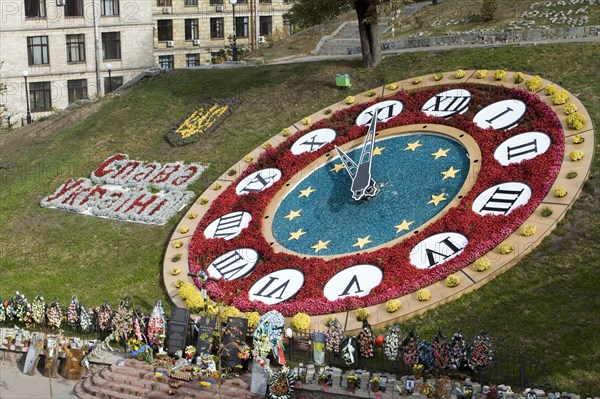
<point>400,277</point>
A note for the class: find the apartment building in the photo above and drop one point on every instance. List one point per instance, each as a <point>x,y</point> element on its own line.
<point>54,52</point>
<point>190,33</point>
<point>63,50</point>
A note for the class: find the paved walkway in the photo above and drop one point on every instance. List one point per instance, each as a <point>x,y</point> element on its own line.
<point>16,385</point>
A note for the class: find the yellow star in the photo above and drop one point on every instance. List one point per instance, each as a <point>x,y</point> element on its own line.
<point>337,167</point>
<point>441,153</point>
<point>405,225</point>
<point>413,146</point>
<point>293,214</point>
<point>306,192</point>
<point>320,245</point>
<point>377,150</point>
<point>436,199</point>
<point>450,173</point>
<point>361,242</point>
<point>296,235</point>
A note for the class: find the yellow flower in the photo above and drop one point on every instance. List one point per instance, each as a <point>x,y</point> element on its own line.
<point>500,74</point>
<point>528,230</point>
<point>452,280</point>
<point>560,97</point>
<point>286,132</point>
<point>438,76</point>
<point>178,244</point>
<point>203,201</point>
<point>371,93</point>
<point>306,121</point>
<point>423,295</point>
<point>482,264</point>
<point>300,322</point>
<point>194,215</point>
<point>361,314</point>
<point>248,158</point>
<point>179,283</point>
<point>184,229</point>
<point>266,145</point>
<point>459,74</point>
<point>393,305</point>
<point>417,80</point>
<point>349,100</point>
<point>575,121</point>
<point>505,248</point>
<point>229,311</point>
<point>569,108</point>
<point>253,319</point>
<point>559,192</point>
<point>550,90</point>
<point>392,86</point>
<point>577,139</point>
<point>480,74</point>
<point>576,155</point>
<point>217,186</point>
<point>175,271</point>
<point>533,84</point>
<point>192,297</point>
<point>518,77</point>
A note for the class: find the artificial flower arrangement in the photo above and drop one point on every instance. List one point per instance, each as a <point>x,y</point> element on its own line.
<point>481,353</point>
<point>440,351</point>
<point>459,74</point>
<point>392,346</point>
<point>204,120</point>
<point>334,335</point>
<point>500,74</point>
<point>190,351</point>
<point>365,341</point>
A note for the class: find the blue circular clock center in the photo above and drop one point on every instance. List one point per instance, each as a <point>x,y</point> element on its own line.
<point>419,174</point>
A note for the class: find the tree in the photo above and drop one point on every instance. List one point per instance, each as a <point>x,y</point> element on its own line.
<point>313,12</point>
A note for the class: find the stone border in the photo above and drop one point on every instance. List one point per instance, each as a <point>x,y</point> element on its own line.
<point>470,279</point>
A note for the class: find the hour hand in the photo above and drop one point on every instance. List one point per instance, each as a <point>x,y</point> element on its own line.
<point>351,166</point>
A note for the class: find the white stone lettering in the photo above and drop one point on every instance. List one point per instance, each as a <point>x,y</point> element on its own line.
<point>355,281</point>
<point>277,287</point>
<point>503,114</point>
<point>448,103</point>
<point>502,199</point>
<point>522,147</point>
<point>313,141</point>
<point>437,249</point>
<point>387,110</point>
<point>228,226</point>
<point>258,181</point>
<point>234,264</point>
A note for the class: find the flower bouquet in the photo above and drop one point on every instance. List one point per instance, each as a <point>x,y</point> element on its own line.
<point>190,351</point>
<point>374,383</point>
<point>352,380</point>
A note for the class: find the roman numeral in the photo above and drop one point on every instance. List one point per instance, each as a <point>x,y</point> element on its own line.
<point>382,113</point>
<point>508,109</point>
<point>228,225</point>
<point>501,201</point>
<point>314,145</point>
<point>281,289</point>
<point>229,266</point>
<point>520,150</point>
<point>258,181</point>
<point>431,254</point>
<point>353,281</point>
<point>452,103</point>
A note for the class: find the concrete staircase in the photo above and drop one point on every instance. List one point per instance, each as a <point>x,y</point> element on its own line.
<point>137,380</point>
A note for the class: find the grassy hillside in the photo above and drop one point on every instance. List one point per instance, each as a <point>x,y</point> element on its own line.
<point>547,305</point>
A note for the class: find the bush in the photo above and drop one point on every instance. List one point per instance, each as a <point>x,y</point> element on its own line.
<point>481,74</point>
<point>482,264</point>
<point>560,97</point>
<point>575,121</point>
<point>576,155</point>
<point>505,248</point>
<point>417,80</point>
<point>569,108</point>
<point>229,311</point>
<point>546,212</point>
<point>286,132</point>
<point>518,77</point>
<point>300,322</point>
<point>528,230</point>
<point>559,192</point>
<point>452,280</point>
<point>253,319</point>
<point>500,74</point>
<point>423,295</point>
<point>550,90</point>
<point>459,74</point>
<point>393,305</point>
<point>534,83</point>
<point>438,76</point>
<point>349,100</point>
<point>361,314</point>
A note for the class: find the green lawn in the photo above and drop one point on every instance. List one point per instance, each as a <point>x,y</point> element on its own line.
<point>548,305</point>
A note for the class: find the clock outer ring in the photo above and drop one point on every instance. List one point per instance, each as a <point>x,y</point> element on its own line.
<point>440,293</point>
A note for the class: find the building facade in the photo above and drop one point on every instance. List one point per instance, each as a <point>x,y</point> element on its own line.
<point>55,52</point>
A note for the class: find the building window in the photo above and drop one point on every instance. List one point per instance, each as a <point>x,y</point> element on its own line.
<point>217,28</point>
<point>265,1</point>
<point>109,7</point>
<point>242,2</point>
<point>165,29</point>
<point>241,26</point>
<point>191,29</point>
<point>39,96</point>
<point>111,46</point>
<point>74,8</point>
<point>35,8</point>
<point>266,25</point>
<point>192,60</point>
<point>164,3</point>
<point>165,61</point>
<point>216,2</point>
<point>191,2</point>
<point>77,89</point>
<point>112,84</point>
<point>76,48</point>
<point>37,50</point>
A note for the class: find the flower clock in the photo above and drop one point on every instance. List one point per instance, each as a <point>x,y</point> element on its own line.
<point>386,196</point>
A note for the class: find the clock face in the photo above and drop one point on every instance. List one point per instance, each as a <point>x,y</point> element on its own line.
<point>458,168</point>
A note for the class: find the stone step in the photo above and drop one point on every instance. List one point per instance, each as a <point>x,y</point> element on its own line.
<point>110,390</point>
<point>80,392</point>
<point>134,383</point>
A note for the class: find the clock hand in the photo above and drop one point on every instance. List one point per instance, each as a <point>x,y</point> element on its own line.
<point>362,183</point>
<point>350,165</point>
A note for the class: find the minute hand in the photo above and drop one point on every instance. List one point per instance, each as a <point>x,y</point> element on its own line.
<point>362,183</point>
